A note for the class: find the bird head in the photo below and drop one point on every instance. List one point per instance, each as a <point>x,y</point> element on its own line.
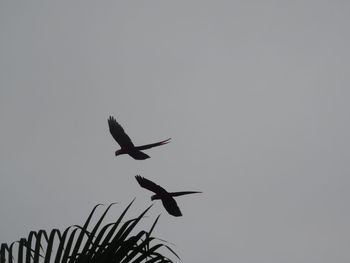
<point>155,197</point>
<point>117,152</point>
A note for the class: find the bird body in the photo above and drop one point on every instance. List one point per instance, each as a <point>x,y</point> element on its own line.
<point>126,144</point>
<point>167,199</point>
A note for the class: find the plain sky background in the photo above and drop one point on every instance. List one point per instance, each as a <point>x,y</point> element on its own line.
<point>255,95</point>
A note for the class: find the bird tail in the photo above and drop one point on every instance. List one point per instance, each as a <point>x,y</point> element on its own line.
<point>184,193</point>
<point>147,146</point>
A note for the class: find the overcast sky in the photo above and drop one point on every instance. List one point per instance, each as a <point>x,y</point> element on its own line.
<point>254,94</point>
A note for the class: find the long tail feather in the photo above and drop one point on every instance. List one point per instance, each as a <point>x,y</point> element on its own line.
<point>147,146</point>
<point>184,193</point>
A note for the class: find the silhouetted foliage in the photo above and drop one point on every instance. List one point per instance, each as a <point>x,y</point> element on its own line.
<point>113,242</point>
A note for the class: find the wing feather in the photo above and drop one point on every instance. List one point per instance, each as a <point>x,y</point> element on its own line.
<point>170,205</point>
<point>119,134</point>
<point>138,155</point>
<point>149,185</point>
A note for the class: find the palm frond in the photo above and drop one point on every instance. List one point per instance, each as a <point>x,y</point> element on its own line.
<point>112,242</point>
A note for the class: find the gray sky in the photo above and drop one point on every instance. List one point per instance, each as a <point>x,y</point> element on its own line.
<point>255,95</point>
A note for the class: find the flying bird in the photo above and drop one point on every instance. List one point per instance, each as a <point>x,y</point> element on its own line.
<point>168,201</point>
<point>127,146</point>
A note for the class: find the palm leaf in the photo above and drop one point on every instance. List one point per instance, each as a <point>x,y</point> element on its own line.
<point>111,242</point>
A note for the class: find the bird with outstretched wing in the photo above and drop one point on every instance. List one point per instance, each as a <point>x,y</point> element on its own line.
<point>167,198</point>
<point>127,146</point>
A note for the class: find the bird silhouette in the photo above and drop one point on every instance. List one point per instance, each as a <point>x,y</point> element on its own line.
<point>168,201</point>
<point>127,146</point>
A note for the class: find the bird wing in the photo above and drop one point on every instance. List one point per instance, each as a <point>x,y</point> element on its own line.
<point>149,185</point>
<point>119,134</point>
<point>170,205</point>
<point>138,155</point>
